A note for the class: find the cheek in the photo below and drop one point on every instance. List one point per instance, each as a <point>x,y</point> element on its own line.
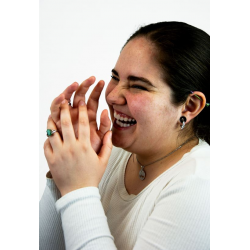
<point>150,111</point>
<point>140,106</point>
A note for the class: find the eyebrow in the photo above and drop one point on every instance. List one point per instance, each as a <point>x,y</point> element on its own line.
<point>135,78</point>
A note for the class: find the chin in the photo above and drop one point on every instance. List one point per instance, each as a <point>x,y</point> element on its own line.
<point>118,142</point>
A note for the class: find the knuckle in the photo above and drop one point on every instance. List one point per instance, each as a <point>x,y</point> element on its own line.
<point>81,95</point>
<point>52,162</point>
<point>65,122</point>
<point>45,145</point>
<point>82,121</point>
<point>71,153</point>
<point>84,148</point>
<point>52,106</point>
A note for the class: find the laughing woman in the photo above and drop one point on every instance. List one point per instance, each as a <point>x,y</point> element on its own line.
<point>151,190</point>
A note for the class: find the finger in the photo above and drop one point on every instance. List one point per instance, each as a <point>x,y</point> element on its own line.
<point>55,106</point>
<point>70,90</point>
<point>66,123</point>
<point>55,139</point>
<point>48,151</point>
<point>105,123</point>
<point>82,90</point>
<point>93,101</point>
<point>106,148</point>
<point>83,124</point>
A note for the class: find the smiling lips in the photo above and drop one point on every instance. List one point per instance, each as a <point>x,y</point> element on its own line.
<point>123,120</point>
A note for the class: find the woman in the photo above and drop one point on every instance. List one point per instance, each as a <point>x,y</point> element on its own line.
<point>152,191</point>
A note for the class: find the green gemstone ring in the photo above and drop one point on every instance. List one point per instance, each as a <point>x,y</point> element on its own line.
<point>50,132</point>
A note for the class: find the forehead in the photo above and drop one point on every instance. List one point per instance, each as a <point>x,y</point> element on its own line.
<point>137,58</point>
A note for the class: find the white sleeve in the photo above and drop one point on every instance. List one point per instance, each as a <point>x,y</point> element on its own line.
<point>50,224</point>
<point>180,220</point>
<point>84,222</point>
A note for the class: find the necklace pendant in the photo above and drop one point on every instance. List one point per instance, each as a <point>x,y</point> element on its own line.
<point>142,173</point>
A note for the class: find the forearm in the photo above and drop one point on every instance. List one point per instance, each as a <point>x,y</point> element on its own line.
<point>50,225</point>
<point>84,221</point>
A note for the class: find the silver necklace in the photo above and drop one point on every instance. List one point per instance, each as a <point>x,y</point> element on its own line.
<point>142,173</point>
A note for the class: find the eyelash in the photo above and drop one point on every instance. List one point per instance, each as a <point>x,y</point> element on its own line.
<point>138,87</point>
<point>115,78</point>
<point>133,86</point>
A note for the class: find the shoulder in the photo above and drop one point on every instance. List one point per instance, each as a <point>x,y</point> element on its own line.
<point>196,163</point>
<point>191,176</point>
<point>181,215</point>
<point>184,202</point>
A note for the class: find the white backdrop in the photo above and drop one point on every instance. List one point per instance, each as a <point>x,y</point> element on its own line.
<point>82,38</point>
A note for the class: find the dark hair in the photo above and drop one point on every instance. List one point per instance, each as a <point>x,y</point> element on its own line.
<point>183,53</point>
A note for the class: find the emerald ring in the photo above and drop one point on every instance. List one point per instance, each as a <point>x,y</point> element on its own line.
<point>50,132</point>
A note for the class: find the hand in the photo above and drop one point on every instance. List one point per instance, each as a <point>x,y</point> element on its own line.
<point>96,136</point>
<point>72,161</point>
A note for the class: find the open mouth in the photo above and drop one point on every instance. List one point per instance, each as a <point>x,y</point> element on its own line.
<point>123,120</point>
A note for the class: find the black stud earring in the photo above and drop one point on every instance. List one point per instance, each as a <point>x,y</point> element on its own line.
<point>183,120</point>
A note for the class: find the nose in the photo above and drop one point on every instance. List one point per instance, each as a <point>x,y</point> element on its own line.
<point>115,95</point>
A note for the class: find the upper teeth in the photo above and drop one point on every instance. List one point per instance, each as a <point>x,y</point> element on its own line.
<point>122,118</point>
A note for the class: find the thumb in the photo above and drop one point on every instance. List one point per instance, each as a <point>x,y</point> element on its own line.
<point>106,148</point>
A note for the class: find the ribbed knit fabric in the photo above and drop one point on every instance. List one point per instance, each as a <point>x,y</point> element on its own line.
<point>50,225</point>
<point>172,212</point>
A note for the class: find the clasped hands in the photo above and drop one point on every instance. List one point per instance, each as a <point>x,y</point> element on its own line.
<point>78,155</point>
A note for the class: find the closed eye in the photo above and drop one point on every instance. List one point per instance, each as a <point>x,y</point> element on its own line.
<point>138,87</point>
<point>115,78</point>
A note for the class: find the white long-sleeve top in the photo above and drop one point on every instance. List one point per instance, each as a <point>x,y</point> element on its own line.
<point>172,212</point>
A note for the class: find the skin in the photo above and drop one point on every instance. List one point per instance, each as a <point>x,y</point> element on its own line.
<point>156,132</point>
<point>158,125</point>
<point>70,159</point>
<point>96,135</point>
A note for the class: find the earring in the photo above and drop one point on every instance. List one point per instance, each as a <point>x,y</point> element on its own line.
<point>183,120</point>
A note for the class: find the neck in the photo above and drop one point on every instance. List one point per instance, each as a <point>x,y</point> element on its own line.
<point>169,152</point>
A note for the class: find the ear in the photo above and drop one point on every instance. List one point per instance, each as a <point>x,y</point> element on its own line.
<point>194,105</point>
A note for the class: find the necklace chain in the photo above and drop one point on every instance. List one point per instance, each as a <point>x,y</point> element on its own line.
<point>142,173</point>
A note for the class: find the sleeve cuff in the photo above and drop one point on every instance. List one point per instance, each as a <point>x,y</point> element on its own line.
<point>82,194</point>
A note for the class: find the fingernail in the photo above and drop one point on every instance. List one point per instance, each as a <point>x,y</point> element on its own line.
<point>49,115</point>
<point>110,134</point>
<point>81,103</point>
<point>64,101</point>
